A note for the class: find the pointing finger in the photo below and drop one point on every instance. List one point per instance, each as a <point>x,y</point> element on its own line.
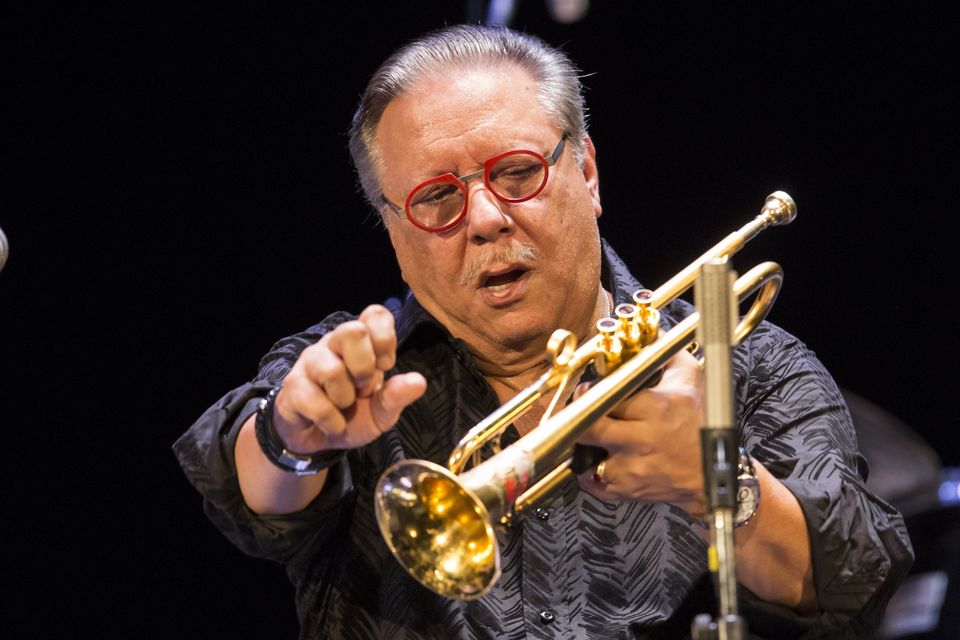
<point>383,337</point>
<point>351,341</point>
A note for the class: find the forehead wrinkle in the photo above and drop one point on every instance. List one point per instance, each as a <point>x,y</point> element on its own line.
<point>445,146</point>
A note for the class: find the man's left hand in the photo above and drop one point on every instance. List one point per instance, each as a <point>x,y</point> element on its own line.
<point>653,441</point>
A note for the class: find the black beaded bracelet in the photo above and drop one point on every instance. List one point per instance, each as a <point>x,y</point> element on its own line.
<point>275,450</point>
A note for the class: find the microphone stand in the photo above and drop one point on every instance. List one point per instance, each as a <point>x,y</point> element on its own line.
<point>718,440</point>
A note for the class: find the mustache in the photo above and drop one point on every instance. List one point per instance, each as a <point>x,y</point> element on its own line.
<point>517,252</point>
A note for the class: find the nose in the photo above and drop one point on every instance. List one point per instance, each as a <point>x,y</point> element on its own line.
<point>487,217</point>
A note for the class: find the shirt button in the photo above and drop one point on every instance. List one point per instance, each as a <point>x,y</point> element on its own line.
<point>547,616</point>
<point>542,513</point>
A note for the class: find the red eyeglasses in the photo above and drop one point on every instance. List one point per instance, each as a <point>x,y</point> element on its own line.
<point>440,203</point>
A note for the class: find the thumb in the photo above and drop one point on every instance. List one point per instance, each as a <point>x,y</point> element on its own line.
<point>396,394</point>
<point>581,389</point>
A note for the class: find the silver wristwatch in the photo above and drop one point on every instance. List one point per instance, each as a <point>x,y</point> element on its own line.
<point>748,490</point>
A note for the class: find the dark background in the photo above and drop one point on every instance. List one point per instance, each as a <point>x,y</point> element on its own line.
<point>180,195</point>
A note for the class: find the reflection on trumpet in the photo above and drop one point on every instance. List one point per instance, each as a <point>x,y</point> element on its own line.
<point>439,522</point>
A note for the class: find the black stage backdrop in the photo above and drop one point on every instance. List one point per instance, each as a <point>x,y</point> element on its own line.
<point>179,195</point>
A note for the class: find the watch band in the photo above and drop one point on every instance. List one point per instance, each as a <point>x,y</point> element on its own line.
<point>276,451</point>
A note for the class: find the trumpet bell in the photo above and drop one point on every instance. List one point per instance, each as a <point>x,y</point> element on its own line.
<point>438,530</point>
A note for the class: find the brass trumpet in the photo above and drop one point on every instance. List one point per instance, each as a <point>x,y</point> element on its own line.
<point>439,522</point>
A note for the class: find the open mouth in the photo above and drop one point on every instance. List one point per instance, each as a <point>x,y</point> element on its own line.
<point>501,281</point>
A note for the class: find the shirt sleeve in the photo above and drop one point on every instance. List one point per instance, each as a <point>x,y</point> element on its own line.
<point>794,421</point>
<point>205,453</point>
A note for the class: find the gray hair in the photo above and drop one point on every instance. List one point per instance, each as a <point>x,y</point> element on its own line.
<point>559,88</point>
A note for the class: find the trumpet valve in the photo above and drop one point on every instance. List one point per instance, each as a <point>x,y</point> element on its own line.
<point>629,328</point>
<point>648,318</point>
<point>610,352</point>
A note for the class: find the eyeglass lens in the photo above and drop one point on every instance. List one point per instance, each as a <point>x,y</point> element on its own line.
<point>514,177</point>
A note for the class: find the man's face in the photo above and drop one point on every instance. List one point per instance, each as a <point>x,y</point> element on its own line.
<point>451,123</point>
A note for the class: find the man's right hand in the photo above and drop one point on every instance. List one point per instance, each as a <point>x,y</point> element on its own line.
<point>335,397</point>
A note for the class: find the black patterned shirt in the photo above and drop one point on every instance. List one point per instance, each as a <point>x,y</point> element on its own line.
<point>577,566</point>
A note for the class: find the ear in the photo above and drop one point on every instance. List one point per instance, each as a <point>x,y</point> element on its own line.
<point>590,174</point>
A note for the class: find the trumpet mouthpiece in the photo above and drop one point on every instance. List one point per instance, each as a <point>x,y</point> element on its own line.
<point>779,208</point>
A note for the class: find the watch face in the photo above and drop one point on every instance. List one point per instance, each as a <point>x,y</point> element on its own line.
<point>747,497</point>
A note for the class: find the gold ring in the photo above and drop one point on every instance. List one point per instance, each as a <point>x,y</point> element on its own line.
<point>598,474</point>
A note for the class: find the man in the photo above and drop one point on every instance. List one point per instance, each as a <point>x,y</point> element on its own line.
<point>471,144</point>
